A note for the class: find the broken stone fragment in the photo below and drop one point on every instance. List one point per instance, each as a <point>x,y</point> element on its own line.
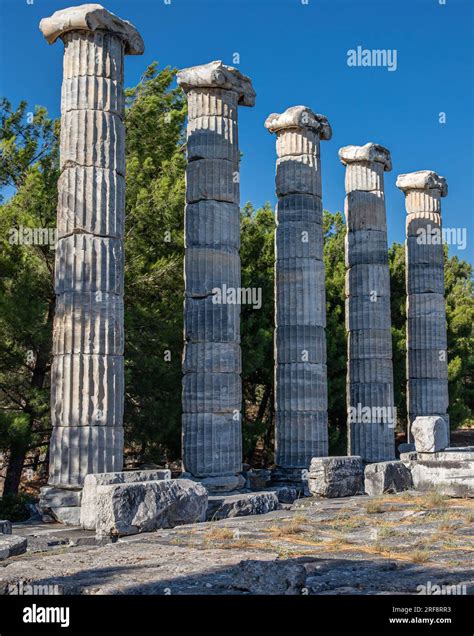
<point>11,545</point>
<point>5,527</point>
<point>430,434</point>
<point>449,472</point>
<point>387,477</point>
<point>241,505</point>
<point>130,508</point>
<point>336,476</point>
<point>93,481</point>
<point>91,17</point>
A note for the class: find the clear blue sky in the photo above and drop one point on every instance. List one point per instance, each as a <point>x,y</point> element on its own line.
<point>297,54</point>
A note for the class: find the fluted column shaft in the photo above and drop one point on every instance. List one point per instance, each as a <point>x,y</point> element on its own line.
<point>87,376</point>
<point>301,431</point>
<point>370,396</point>
<point>427,363</point>
<point>212,393</point>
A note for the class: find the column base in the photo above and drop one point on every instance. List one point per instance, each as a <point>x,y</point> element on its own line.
<point>219,483</point>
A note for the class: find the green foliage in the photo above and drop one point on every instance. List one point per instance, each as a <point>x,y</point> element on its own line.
<point>15,507</point>
<point>154,266</point>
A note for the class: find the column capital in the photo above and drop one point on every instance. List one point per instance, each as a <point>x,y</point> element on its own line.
<point>299,117</point>
<point>369,153</point>
<point>91,17</point>
<point>422,180</point>
<point>218,75</point>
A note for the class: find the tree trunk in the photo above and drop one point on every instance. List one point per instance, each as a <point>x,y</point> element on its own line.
<point>16,460</point>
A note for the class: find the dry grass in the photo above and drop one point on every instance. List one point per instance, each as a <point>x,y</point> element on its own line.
<point>418,556</point>
<point>433,500</point>
<point>374,506</point>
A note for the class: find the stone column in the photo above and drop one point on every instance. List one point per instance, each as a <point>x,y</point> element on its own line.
<point>212,392</point>
<point>301,418</point>
<point>427,363</point>
<point>370,397</point>
<point>87,377</point>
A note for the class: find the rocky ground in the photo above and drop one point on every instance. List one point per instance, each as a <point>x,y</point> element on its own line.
<point>354,545</point>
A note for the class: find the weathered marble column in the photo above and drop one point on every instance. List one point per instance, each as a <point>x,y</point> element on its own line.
<point>87,377</point>
<point>212,392</point>
<point>300,298</point>
<point>370,397</point>
<point>427,363</point>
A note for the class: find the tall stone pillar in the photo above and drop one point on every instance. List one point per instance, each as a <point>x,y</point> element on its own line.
<point>427,364</point>
<point>87,377</point>
<point>212,392</point>
<point>370,397</point>
<point>300,299</point>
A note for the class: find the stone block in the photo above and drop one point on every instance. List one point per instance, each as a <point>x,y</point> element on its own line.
<point>207,269</point>
<point>405,448</point>
<point>300,343</point>
<point>285,494</point>
<point>91,200</point>
<point>427,363</point>
<point>291,142</point>
<point>212,357</point>
<point>427,332</point>
<point>301,387</point>
<point>336,476</point>
<point>212,444</point>
<point>368,280</point>
<point>373,441</point>
<point>430,434</point>
<point>365,175</point>
<point>98,54</point>
<point>212,224</point>
<point>299,239</point>
<point>93,481</point>
<point>68,515</point>
<point>369,343</point>
<point>387,477</point>
<point>94,138</point>
<point>86,263</point>
<point>420,251</point>
<point>130,508</point>
<point>365,211</point>
<point>87,390</point>
<point>207,101</point>
<point>366,312</point>
<point>300,292</point>
<point>424,279</point>
<point>11,545</point>
<point>303,208</point>
<point>298,175</point>
<point>241,505</point>
<point>92,92</point>
<point>51,497</point>
<point>76,451</point>
<point>367,371</point>
<point>427,396</point>
<point>222,483</point>
<point>420,223</point>
<point>300,436</point>
<point>291,477</point>
<point>212,392</point>
<point>212,137</point>
<point>367,247</point>
<point>212,179</point>
<point>88,323</point>
<point>209,321</point>
<point>426,305</point>
<point>449,472</point>
<point>379,394</point>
